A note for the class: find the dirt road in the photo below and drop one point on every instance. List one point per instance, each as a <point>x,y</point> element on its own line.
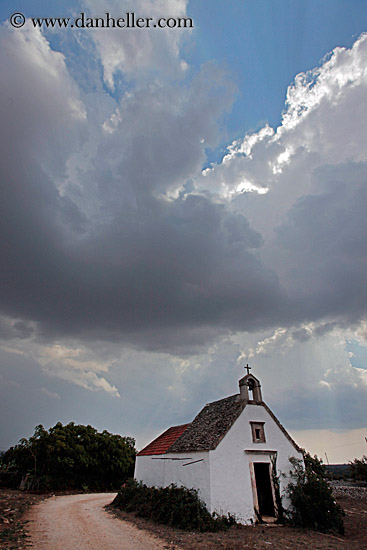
<point>80,522</point>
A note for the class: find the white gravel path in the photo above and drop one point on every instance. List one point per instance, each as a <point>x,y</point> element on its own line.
<point>80,522</point>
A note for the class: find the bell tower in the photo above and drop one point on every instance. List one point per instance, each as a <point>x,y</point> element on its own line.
<point>250,388</point>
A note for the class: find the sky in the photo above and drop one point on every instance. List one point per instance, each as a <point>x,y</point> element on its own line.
<point>177,203</point>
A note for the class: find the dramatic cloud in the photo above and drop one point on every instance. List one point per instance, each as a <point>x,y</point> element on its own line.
<point>322,245</point>
<point>152,259</point>
<point>124,247</point>
<point>310,177</point>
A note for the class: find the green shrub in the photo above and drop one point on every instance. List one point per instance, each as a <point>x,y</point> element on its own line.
<point>358,468</point>
<point>313,504</point>
<point>175,506</point>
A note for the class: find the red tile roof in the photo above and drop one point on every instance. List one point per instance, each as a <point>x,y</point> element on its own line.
<point>163,442</point>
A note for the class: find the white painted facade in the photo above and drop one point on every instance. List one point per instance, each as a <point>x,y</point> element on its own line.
<point>163,470</point>
<point>225,476</point>
<point>233,487</point>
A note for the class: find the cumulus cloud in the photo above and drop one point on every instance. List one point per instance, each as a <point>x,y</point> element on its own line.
<point>134,51</point>
<point>310,382</point>
<point>303,187</point>
<point>322,125</point>
<point>40,104</point>
<point>76,366</point>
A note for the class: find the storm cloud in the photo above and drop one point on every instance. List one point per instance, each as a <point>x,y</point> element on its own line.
<point>129,251</point>
<point>110,235</point>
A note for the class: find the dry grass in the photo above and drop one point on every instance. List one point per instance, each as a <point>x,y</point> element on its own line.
<point>263,537</point>
<point>13,504</point>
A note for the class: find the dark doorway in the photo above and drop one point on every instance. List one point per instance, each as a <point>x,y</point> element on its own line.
<point>263,488</point>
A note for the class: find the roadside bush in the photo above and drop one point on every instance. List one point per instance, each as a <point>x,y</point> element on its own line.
<point>175,506</point>
<point>358,468</point>
<point>313,504</point>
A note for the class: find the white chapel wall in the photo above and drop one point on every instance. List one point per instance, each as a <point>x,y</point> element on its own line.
<point>231,488</point>
<point>148,471</point>
<point>162,470</point>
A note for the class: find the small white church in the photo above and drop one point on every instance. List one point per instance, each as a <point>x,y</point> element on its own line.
<point>226,453</point>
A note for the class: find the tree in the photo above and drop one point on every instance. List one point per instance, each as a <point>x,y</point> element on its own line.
<point>72,457</point>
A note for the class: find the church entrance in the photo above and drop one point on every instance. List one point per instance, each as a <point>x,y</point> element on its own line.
<point>264,489</point>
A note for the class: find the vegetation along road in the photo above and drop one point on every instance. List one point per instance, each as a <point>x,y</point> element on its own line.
<point>80,521</point>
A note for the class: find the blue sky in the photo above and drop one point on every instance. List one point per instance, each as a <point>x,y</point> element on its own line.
<point>177,203</point>
<point>262,43</point>
<point>265,44</point>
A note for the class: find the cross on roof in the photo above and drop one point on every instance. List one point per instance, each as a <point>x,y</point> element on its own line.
<point>248,368</point>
